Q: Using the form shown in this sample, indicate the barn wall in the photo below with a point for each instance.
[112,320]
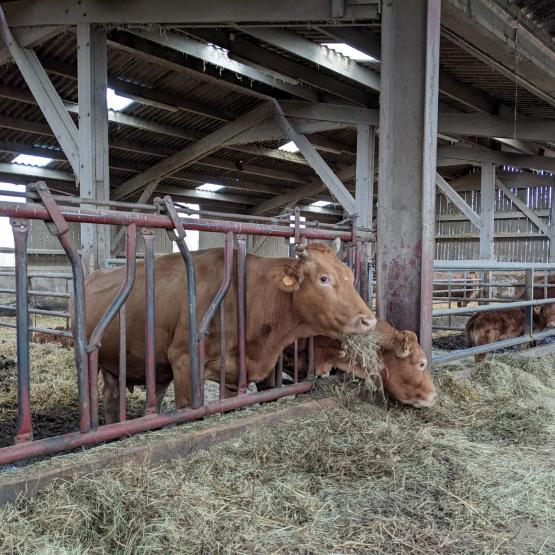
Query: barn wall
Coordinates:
[517,239]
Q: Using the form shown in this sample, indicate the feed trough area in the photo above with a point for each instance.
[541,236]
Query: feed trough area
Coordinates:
[277,277]
[472,474]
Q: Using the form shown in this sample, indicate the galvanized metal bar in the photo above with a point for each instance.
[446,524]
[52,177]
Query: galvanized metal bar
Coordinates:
[279,372]
[491,307]
[122,366]
[310,372]
[93,387]
[52,313]
[242,311]
[150,323]
[552,224]
[490,265]
[222,351]
[296,361]
[33,293]
[38,329]
[487,200]
[20,229]
[60,229]
[444,358]
[196,342]
[529,295]
[96,337]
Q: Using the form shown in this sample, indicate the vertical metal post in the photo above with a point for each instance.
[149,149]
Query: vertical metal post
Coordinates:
[364,198]
[122,370]
[150,327]
[487,201]
[20,230]
[529,295]
[407,164]
[552,227]
[94,177]
[242,311]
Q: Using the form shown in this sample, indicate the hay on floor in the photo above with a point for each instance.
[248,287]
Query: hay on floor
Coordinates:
[363,351]
[473,474]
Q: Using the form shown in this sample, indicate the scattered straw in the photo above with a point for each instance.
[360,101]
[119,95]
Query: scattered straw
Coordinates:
[363,351]
[474,474]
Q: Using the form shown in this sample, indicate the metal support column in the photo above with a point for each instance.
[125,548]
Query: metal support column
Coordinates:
[487,201]
[407,163]
[93,138]
[364,194]
[552,228]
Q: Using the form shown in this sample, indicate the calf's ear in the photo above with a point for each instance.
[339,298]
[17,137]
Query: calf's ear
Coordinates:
[336,245]
[403,344]
[286,278]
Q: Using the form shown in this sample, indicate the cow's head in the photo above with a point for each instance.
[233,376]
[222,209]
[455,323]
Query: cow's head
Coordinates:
[546,313]
[405,375]
[324,296]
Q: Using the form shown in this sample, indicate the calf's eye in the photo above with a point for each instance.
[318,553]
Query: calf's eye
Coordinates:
[324,279]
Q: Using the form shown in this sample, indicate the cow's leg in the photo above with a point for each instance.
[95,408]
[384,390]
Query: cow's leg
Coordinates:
[161,390]
[181,377]
[111,397]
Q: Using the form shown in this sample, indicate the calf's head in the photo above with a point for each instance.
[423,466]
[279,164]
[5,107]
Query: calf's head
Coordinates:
[323,293]
[546,314]
[405,376]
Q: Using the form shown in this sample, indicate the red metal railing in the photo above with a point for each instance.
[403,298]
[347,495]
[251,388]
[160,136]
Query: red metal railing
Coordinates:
[87,351]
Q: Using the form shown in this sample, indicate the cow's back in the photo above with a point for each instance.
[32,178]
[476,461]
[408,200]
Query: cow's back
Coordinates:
[171,306]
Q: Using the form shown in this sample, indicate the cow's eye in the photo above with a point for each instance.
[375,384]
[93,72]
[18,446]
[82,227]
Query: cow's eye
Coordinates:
[324,279]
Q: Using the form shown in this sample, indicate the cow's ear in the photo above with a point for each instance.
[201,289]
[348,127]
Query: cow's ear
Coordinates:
[286,278]
[402,344]
[336,245]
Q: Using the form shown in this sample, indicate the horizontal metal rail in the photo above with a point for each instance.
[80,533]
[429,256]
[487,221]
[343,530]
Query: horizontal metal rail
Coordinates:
[491,307]
[56,313]
[444,358]
[39,329]
[52,275]
[489,265]
[82,215]
[32,293]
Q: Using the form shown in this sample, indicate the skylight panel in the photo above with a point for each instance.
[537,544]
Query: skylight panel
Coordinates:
[116,102]
[210,187]
[289,147]
[349,51]
[32,160]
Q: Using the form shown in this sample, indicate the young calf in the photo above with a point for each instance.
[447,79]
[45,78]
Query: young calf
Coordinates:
[404,373]
[40,337]
[486,327]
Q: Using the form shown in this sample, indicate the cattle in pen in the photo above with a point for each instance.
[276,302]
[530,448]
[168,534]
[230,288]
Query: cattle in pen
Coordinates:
[404,367]
[462,287]
[487,327]
[286,299]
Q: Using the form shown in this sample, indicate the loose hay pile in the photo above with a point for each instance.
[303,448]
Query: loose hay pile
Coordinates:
[474,474]
[363,351]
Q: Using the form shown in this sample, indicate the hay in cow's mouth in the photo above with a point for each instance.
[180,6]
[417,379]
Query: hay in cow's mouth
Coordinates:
[473,474]
[362,350]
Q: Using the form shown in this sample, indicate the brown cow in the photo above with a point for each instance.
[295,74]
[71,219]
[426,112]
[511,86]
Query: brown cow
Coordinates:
[286,299]
[460,286]
[40,337]
[539,289]
[486,327]
[404,374]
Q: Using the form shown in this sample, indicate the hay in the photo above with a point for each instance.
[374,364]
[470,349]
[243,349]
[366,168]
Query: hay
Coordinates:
[474,474]
[363,351]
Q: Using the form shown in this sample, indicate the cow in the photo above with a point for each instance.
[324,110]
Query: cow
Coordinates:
[460,286]
[41,337]
[404,372]
[540,292]
[286,299]
[486,327]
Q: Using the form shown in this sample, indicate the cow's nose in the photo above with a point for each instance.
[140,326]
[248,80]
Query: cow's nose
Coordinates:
[367,323]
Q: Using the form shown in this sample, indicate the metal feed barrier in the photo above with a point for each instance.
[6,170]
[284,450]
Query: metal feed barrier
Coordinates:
[530,269]
[163,215]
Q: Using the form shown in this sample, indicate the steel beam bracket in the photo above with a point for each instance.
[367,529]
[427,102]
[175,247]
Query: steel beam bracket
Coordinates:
[166,205]
[58,226]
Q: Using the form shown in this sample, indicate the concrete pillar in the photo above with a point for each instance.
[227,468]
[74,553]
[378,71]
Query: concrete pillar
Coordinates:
[487,201]
[94,177]
[407,163]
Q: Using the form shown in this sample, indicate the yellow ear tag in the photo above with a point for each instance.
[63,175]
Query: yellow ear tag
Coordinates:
[287,281]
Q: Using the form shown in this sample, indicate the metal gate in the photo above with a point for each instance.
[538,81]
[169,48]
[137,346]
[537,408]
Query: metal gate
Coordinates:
[163,215]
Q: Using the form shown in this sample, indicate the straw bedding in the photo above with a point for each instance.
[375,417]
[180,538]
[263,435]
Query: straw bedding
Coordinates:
[474,474]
